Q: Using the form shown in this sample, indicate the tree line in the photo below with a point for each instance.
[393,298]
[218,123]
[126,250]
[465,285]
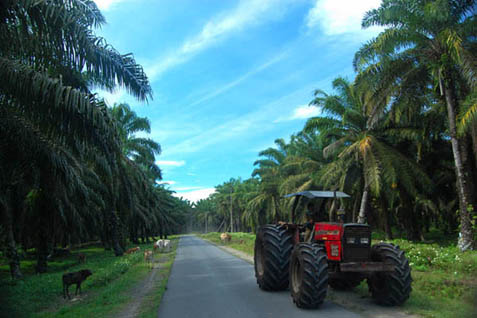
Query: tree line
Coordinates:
[401,137]
[71,168]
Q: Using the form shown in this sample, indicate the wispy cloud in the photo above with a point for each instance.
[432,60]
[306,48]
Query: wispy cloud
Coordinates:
[166,182]
[300,112]
[239,80]
[170,163]
[195,195]
[187,188]
[336,17]
[244,15]
[240,126]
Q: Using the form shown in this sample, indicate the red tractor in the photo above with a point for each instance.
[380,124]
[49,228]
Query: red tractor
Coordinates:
[309,257]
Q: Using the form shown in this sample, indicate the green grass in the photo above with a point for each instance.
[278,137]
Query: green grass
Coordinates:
[444,279]
[240,241]
[104,293]
[150,304]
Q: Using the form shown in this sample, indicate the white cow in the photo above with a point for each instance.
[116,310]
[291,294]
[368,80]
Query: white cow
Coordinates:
[167,246]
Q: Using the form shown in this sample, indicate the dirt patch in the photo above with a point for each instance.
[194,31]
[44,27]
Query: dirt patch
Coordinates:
[361,305]
[140,290]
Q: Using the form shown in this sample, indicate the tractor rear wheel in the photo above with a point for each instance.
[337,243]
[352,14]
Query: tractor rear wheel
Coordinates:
[273,247]
[308,275]
[390,288]
[345,281]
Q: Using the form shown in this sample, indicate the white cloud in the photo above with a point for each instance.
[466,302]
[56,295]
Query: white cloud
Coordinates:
[247,13]
[187,188]
[300,112]
[170,163]
[340,16]
[106,4]
[116,96]
[166,182]
[305,111]
[195,195]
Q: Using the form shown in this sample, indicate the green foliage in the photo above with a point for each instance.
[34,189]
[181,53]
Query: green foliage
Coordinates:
[240,241]
[432,256]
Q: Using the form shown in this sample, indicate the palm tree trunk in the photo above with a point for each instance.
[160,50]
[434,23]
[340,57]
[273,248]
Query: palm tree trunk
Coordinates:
[114,228]
[473,133]
[385,218]
[12,254]
[355,209]
[466,240]
[364,204]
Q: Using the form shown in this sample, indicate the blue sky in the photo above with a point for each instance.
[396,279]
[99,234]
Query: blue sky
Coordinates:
[230,77]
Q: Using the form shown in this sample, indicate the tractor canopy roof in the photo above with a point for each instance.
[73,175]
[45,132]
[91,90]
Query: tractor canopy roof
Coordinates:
[319,194]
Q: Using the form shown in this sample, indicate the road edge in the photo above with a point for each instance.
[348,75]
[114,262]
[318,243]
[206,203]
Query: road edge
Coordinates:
[242,255]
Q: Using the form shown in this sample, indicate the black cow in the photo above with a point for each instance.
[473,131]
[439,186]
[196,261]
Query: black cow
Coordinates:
[74,278]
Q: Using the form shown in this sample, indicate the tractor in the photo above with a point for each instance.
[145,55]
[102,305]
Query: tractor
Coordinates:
[306,258]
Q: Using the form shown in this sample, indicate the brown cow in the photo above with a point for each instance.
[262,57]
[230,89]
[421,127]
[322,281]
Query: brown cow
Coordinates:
[225,237]
[132,250]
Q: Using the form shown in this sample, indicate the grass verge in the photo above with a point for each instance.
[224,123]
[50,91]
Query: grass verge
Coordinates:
[152,300]
[103,293]
[445,279]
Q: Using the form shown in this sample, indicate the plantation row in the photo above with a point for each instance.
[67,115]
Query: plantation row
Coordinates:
[71,168]
[400,138]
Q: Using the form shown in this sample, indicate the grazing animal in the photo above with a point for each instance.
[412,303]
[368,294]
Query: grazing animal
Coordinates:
[81,258]
[148,255]
[225,237]
[74,278]
[158,245]
[132,250]
[167,246]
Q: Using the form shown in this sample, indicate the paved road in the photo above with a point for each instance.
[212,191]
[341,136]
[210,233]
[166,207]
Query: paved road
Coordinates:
[208,282]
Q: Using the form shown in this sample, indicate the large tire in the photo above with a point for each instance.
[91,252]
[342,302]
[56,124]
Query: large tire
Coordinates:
[345,281]
[273,247]
[308,275]
[390,288]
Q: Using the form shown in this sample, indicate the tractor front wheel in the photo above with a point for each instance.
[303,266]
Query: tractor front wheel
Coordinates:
[273,247]
[308,275]
[390,288]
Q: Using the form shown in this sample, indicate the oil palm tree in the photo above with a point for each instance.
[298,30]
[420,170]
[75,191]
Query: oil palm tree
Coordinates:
[49,59]
[358,143]
[439,37]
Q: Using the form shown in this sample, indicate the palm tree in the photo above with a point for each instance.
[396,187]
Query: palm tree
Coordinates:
[270,173]
[358,141]
[438,36]
[49,58]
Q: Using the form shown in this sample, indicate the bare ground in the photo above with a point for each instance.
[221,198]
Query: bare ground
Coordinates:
[140,290]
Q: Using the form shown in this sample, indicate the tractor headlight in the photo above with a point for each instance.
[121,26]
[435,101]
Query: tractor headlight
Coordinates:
[350,240]
[364,240]
[335,250]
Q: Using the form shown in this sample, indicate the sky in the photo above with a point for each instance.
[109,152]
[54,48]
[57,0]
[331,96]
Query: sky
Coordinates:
[230,76]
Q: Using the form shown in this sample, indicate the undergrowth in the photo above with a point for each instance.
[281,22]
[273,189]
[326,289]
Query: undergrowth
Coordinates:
[103,293]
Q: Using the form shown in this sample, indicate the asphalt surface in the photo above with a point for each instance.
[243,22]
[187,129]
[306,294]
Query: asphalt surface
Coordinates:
[208,282]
